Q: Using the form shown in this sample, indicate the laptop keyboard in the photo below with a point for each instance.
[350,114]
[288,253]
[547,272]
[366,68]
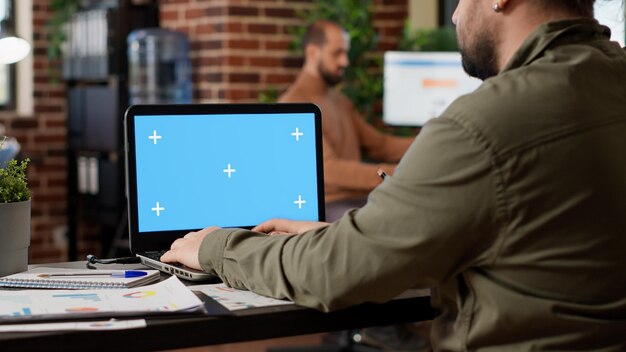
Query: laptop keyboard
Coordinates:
[156,255]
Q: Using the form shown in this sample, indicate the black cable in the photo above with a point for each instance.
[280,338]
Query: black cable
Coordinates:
[92,259]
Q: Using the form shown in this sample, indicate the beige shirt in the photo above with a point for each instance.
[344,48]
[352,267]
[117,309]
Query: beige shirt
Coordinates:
[345,134]
[512,205]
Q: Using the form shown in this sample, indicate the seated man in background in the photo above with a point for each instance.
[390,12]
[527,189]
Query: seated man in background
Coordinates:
[347,179]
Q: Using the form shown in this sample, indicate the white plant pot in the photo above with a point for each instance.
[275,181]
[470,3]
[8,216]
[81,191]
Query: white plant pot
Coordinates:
[14,237]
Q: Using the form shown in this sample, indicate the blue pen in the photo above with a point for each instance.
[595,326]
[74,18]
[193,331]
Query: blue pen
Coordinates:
[122,274]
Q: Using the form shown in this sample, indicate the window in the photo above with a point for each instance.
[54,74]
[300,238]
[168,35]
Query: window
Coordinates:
[7,72]
[446,9]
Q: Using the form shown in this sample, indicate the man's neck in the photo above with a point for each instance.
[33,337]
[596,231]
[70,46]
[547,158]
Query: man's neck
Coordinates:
[523,19]
[313,83]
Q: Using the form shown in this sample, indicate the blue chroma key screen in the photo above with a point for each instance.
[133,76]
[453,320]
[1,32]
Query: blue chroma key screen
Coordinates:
[227,170]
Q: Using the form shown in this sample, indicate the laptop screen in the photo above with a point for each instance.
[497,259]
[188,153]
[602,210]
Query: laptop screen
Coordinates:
[227,166]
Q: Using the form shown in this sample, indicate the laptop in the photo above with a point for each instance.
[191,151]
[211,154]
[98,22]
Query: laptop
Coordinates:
[227,165]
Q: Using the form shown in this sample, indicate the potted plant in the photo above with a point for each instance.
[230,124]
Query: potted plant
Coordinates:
[14,215]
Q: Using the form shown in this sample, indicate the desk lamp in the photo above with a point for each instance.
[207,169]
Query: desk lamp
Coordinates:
[12,47]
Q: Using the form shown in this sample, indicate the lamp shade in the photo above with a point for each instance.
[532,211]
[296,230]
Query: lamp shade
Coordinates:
[12,49]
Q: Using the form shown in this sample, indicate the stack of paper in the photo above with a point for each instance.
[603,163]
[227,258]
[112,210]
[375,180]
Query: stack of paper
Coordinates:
[234,299]
[60,278]
[167,296]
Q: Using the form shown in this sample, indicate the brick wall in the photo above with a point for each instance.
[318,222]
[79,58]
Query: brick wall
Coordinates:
[43,140]
[240,47]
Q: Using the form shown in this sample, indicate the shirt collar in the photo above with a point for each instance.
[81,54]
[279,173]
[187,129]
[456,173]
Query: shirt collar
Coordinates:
[552,34]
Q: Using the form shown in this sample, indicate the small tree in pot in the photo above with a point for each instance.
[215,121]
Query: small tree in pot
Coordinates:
[14,216]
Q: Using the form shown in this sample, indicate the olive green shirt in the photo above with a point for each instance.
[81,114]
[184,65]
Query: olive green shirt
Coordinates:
[512,205]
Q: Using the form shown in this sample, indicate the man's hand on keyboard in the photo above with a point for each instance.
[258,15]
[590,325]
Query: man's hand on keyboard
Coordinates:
[185,250]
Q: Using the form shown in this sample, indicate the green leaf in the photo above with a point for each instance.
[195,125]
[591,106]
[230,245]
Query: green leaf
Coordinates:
[13,182]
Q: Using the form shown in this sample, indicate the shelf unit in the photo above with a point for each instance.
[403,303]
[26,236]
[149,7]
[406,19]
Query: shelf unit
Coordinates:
[95,70]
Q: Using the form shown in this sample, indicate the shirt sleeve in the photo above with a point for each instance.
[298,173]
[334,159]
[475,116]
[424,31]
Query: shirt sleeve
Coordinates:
[435,217]
[377,145]
[351,174]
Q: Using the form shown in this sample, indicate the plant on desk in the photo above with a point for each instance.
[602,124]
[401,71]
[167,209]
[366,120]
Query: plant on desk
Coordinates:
[14,216]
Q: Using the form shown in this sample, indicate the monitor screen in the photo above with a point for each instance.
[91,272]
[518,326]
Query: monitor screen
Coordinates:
[228,170]
[418,86]
[611,14]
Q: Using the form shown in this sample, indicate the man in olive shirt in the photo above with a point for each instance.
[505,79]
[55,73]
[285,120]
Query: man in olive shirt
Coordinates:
[347,179]
[511,205]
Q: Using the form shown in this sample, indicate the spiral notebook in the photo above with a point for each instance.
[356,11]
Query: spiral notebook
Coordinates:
[80,279]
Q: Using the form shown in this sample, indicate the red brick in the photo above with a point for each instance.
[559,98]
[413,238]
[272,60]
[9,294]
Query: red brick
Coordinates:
[57,94]
[396,31]
[49,198]
[58,182]
[47,108]
[213,77]
[58,211]
[242,11]
[205,29]
[49,168]
[234,60]
[194,13]
[234,27]
[56,152]
[238,95]
[32,184]
[45,227]
[213,11]
[277,44]
[207,61]
[243,78]
[243,44]
[43,255]
[39,22]
[203,94]
[50,123]
[274,78]
[169,15]
[292,62]
[281,12]
[395,15]
[207,44]
[50,138]
[262,28]
[25,123]
[265,61]
[229,27]
[385,46]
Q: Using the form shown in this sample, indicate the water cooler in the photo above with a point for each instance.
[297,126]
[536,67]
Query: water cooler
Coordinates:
[159,67]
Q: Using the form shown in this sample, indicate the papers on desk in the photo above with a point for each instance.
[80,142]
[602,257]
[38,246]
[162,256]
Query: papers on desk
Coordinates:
[167,296]
[234,299]
[62,278]
[85,326]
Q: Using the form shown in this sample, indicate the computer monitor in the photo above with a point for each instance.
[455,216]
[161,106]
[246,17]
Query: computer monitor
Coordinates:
[611,14]
[418,86]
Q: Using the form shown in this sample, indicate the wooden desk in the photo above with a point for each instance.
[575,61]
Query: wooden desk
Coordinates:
[252,324]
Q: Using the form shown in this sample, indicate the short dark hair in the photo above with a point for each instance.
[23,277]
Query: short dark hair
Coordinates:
[316,33]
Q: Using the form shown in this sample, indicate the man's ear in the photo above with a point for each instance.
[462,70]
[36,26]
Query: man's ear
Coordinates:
[310,53]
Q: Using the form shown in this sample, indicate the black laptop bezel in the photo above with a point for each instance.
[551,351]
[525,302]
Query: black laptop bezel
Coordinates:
[159,240]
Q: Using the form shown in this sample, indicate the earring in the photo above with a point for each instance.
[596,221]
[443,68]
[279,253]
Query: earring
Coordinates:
[496,7]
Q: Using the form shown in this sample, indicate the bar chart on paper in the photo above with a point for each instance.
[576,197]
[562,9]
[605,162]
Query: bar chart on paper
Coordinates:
[169,295]
[15,306]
